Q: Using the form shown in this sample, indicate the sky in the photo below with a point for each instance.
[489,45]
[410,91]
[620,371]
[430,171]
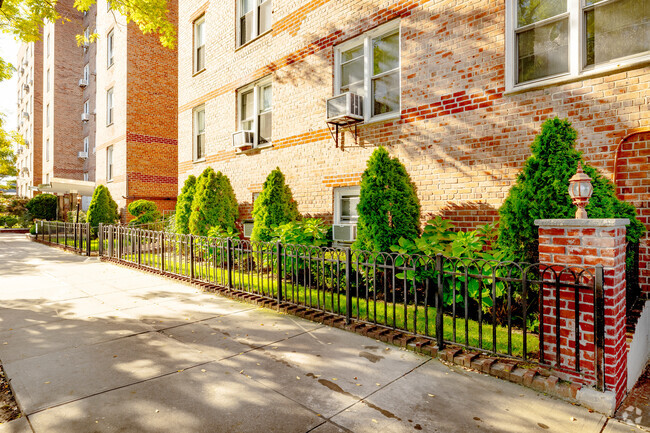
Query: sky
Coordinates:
[9,52]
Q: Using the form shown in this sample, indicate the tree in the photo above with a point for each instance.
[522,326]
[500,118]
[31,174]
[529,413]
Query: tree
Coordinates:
[389,208]
[144,211]
[43,206]
[274,206]
[541,191]
[103,208]
[25,19]
[184,205]
[8,143]
[214,204]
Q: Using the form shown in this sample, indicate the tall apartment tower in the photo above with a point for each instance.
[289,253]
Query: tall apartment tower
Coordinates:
[62,98]
[88,85]
[136,113]
[30,117]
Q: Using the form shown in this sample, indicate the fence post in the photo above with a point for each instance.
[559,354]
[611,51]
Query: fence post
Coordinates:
[439,304]
[65,234]
[100,238]
[119,243]
[162,251]
[348,285]
[111,242]
[88,239]
[56,224]
[191,257]
[278,251]
[599,326]
[229,261]
[138,238]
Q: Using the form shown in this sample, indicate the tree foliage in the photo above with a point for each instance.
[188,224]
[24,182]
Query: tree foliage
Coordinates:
[144,211]
[26,18]
[541,191]
[214,203]
[103,208]
[9,141]
[389,208]
[184,205]
[43,206]
[274,206]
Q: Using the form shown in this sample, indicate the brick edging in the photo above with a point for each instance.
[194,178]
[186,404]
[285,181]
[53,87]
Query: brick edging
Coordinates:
[519,372]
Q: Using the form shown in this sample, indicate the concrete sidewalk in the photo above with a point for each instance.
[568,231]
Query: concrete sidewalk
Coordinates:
[94,347]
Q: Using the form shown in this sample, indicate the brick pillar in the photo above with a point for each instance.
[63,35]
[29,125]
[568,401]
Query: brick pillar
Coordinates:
[580,244]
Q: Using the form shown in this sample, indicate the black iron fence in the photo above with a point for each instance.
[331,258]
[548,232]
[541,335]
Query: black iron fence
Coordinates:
[529,312]
[78,237]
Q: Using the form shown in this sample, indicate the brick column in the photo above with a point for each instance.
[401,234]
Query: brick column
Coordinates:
[584,244]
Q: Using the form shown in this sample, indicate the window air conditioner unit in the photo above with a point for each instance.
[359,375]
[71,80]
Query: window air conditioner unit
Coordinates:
[83,82]
[242,139]
[345,109]
[26,87]
[25,114]
[85,117]
[248,229]
[344,232]
[83,155]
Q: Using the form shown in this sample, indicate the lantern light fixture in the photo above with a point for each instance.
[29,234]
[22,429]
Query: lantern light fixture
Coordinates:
[580,190]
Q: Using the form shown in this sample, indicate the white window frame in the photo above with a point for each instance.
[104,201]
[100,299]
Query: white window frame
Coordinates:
[110,45]
[195,52]
[256,86]
[109,164]
[339,192]
[577,49]
[85,176]
[195,133]
[87,106]
[366,40]
[87,72]
[109,106]
[47,150]
[47,115]
[48,44]
[86,144]
[256,21]
[49,84]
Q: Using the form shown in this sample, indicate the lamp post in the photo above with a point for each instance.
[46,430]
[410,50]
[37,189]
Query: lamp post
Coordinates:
[580,190]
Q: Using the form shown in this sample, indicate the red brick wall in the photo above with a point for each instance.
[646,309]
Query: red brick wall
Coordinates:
[632,179]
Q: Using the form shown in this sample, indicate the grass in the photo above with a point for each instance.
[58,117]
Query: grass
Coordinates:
[420,320]
[94,243]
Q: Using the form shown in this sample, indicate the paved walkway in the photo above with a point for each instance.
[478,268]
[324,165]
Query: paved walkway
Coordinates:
[94,347]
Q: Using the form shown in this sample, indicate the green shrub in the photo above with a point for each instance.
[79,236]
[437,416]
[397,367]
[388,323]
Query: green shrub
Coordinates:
[274,206]
[72,216]
[541,192]
[214,203]
[144,211]
[32,229]
[43,206]
[103,208]
[10,221]
[388,208]
[184,205]
[310,231]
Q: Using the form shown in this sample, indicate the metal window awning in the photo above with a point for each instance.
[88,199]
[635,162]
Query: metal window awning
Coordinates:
[67,186]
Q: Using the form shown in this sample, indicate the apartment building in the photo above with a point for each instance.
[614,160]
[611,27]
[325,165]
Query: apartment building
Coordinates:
[136,93]
[87,84]
[30,117]
[456,89]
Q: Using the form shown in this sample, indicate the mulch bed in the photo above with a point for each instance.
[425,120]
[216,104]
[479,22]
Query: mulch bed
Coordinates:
[8,407]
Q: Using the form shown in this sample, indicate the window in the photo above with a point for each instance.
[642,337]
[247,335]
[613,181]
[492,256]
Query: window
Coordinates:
[254,19]
[346,200]
[47,178]
[48,80]
[256,111]
[109,49]
[86,141]
[87,107]
[47,115]
[47,150]
[109,163]
[370,67]
[86,36]
[199,133]
[199,44]
[556,39]
[109,107]
[87,73]
[48,45]
[86,176]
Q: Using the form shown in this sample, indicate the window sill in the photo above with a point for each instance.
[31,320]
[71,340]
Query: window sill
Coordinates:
[110,66]
[383,118]
[109,180]
[602,70]
[255,149]
[254,39]
[198,72]
[196,161]
[109,124]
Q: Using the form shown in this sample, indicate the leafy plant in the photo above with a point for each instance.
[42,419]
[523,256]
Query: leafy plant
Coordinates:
[274,206]
[310,231]
[144,211]
[388,208]
[541,191]
[214,203]
[103,208]
[43,206]
[72,216]
[184,205]
[220,232]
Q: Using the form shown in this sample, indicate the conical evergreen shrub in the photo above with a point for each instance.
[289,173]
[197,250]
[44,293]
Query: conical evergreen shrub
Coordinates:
[274,206]
[541,191]
[103,208]
[214,204]
[389,207]
[144,211]
[184,205]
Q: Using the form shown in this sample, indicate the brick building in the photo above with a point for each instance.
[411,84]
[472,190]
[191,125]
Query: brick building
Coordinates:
[30,117]
[136,112]
[457,90]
